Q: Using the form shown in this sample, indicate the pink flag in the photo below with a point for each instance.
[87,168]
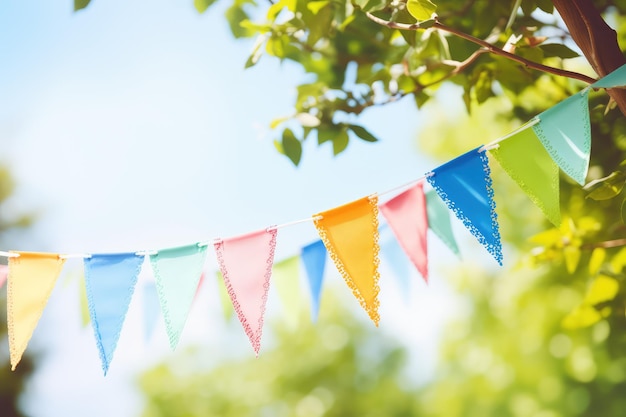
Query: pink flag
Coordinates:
[246,265]
[4,272]
[407,216]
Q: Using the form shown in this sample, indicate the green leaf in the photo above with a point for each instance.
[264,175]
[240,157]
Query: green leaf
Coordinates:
[607,187]
[581,316]
[602,289]
[80,4]
[559,50]
[235,15]
[421,9]
[201,5]
[257,52]
[362,133]
[292,147]
[623,211]
[316,6]
[572,257]
[483,86]
[340,142]
[370,5]
[597,259]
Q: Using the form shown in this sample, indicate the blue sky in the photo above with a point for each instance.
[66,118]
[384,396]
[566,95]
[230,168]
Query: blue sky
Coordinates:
[132,125]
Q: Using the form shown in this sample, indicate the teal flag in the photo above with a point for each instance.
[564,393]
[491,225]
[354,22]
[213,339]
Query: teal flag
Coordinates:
[565,132]
[177,273]
[439,221]
[616,78]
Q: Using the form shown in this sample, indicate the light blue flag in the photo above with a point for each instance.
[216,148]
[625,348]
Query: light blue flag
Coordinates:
[110,282]
[464,184]
[439,221]
[177,273]
[150,309]
[314,259]
[397,259]
[617,78]
[565,132]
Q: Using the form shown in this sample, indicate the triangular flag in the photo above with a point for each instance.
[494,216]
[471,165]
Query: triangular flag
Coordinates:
[31,279]
[565,132]
[439,221]
[407,218]
[84,304]
[314,260]
[286,280]
[464,184]
[177,273]
[397,260]
[350,233]
[617,78]
[150,309]
[246,265]
[227,305]
[4,273]
[528,163]
[110,280]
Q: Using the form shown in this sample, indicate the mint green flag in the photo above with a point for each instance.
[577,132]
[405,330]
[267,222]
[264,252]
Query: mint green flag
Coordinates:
[286,280]
[565,132]
[177,273]
[617,78]
[526,161]
[439,220]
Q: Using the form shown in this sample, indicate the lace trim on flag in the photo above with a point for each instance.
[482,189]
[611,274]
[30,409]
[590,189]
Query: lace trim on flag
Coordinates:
[254,336]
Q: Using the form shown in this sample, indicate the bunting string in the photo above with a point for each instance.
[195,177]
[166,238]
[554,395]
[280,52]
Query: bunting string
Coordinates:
[557,138]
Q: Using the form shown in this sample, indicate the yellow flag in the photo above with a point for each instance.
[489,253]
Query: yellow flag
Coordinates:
[350,234]
[31,279]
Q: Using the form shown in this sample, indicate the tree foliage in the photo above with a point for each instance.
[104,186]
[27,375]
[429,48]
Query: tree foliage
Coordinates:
[339,368]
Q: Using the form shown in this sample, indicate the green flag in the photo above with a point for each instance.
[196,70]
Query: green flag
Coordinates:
[527,162]
[286,280]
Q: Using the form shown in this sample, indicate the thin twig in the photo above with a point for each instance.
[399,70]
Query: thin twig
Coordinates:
[606,244]
[491,48]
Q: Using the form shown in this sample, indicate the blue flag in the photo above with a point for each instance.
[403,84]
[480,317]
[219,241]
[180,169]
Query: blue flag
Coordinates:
[314,258]
[464,184]
[110,282]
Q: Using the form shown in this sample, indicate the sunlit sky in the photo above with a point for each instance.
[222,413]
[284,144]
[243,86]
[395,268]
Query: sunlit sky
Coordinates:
[132,125]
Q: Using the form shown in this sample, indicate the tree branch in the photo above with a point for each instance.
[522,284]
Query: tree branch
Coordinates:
[489,47]
[595,38]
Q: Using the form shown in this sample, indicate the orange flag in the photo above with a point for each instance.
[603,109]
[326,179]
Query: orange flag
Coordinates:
[350,234]
[31,279]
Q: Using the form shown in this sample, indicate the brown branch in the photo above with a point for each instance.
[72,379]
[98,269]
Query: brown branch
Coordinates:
[606,244]
[596,40]
[488,46]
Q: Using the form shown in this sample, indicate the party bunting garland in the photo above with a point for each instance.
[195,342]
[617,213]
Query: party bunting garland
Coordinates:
[560,138]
